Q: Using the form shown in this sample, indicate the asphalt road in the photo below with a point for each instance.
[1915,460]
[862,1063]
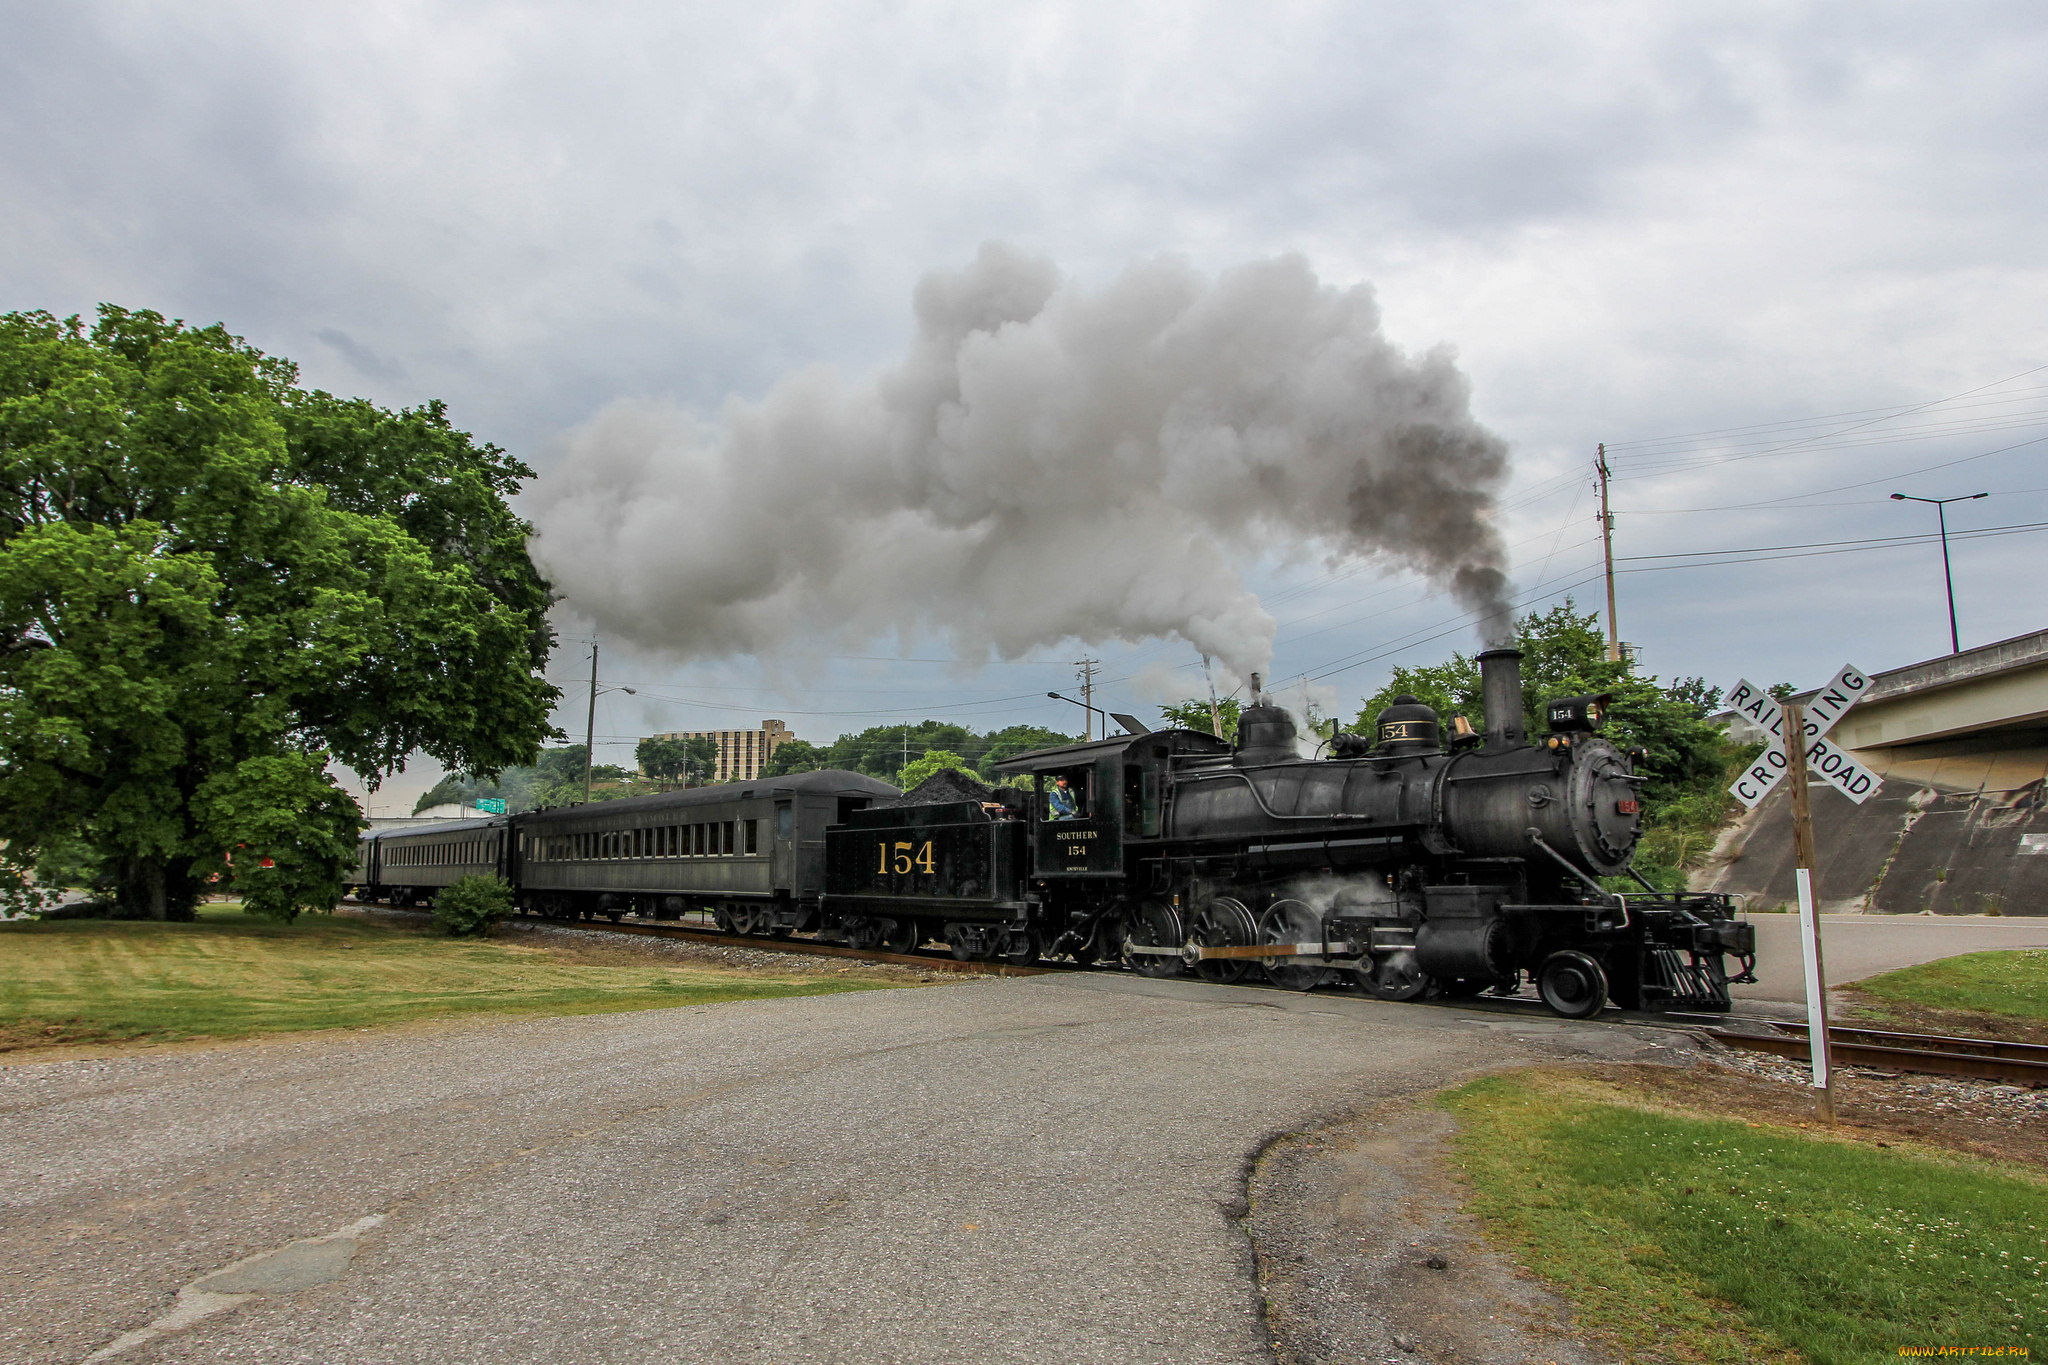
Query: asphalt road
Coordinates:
[1040,1170]
[1856,946]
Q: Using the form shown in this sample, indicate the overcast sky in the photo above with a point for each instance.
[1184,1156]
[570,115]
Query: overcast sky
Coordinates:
[1632,223]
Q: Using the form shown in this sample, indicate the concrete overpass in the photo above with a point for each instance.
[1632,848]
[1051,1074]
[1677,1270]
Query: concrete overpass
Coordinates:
[1958,828]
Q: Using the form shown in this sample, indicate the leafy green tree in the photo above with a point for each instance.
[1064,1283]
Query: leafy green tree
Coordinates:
[1193,714]
[664,759]
[935,761]
[794,756]
[212,582]
[472,905]
[880,750]
[1018,739]
[520,788]
[700,761]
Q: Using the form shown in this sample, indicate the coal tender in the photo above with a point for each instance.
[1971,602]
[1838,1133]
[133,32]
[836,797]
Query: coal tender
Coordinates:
[1398,865]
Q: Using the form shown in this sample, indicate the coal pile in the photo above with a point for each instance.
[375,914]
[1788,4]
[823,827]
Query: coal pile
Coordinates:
[947,784]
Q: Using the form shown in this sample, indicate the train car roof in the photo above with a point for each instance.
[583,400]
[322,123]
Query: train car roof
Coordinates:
[1068,755]
[831,781]
[438,827]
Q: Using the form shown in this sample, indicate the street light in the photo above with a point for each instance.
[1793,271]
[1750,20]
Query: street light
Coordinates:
[1085,707]
[590,720]
[1955,644]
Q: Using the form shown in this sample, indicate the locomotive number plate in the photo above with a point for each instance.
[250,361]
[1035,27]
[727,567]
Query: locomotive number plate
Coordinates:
[903,860]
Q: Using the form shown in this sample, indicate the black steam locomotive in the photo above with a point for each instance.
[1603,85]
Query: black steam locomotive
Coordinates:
[1398,866]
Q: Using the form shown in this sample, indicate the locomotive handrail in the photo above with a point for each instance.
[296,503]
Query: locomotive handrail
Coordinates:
[1267,810]
[1536,838]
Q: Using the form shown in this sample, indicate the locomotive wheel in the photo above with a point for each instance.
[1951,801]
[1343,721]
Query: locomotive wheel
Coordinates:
[1292,921]
[1572,984]
[1021,948]
[901,936]
[741,918]
[1223,923]
[1396,977]
[1152,924]
[862,933]
[958,940]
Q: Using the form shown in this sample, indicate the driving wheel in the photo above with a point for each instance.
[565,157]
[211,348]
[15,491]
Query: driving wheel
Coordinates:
[1223,923]
[1292,921]
[1152,924]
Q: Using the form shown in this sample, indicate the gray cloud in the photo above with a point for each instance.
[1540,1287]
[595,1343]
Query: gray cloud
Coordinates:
[1048,463]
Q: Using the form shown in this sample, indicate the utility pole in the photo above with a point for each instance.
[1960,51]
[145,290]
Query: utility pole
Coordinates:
[1087,667]
[590,724]
[1809,914]
[1955,641]
[1607,545]
[1215,712]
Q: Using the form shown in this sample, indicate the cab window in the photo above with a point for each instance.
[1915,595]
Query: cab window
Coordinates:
[1064,794]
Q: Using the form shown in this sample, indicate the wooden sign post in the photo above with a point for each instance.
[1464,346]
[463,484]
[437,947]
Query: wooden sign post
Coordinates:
[1809,915]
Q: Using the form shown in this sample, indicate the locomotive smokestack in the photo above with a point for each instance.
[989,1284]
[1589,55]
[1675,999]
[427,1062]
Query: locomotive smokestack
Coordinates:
[1500,681]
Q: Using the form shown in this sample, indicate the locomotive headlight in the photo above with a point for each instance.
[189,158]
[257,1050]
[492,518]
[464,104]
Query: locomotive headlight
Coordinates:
[1577,715]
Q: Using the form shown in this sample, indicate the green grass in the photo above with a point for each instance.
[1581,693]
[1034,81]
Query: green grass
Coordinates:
[1683,1237]
[227,975]
[2013,983]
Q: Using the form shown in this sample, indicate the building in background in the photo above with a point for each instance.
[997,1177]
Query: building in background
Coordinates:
[741,753]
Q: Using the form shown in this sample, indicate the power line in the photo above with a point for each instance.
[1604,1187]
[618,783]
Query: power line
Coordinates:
[1917,538]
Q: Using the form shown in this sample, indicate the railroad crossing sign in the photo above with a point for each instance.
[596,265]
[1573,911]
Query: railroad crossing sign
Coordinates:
[1823,757]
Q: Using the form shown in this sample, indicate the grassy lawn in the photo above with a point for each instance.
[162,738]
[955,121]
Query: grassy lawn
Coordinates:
[2014,983]
[225,975]
[1692,1238]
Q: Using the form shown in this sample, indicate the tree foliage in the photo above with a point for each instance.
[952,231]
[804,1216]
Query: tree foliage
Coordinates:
[883,750]
[213,581]
[934,761]
[665,760]
[1193,714]
[794,756]
[700,761]
[472,905]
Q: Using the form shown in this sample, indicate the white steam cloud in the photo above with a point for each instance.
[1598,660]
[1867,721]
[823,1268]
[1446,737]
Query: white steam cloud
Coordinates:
[1048,463]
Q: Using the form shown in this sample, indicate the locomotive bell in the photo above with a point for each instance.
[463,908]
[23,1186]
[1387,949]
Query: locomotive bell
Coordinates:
[1408,726]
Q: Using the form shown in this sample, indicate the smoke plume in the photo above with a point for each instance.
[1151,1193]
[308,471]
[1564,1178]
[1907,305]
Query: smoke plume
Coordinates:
[1049,462]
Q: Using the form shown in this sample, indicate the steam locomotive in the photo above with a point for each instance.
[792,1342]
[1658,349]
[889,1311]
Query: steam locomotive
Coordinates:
[1401,864]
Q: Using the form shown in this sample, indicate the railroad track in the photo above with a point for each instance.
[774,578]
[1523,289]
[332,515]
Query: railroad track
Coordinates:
[805,946]
[1933,1054]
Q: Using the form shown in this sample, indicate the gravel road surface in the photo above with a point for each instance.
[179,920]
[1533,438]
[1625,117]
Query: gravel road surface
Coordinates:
[1041,1170]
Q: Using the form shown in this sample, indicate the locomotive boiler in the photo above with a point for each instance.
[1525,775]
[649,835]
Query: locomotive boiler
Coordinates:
[1399,864]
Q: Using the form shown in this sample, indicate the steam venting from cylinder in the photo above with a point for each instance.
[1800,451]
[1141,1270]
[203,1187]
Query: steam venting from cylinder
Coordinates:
[1047,462]
[1500,682]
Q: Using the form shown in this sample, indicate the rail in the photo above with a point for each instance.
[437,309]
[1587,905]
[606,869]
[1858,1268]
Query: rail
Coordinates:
[1989,1059]
[768,943]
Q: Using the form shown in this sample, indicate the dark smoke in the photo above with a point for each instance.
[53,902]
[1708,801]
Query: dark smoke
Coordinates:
[1049,462]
